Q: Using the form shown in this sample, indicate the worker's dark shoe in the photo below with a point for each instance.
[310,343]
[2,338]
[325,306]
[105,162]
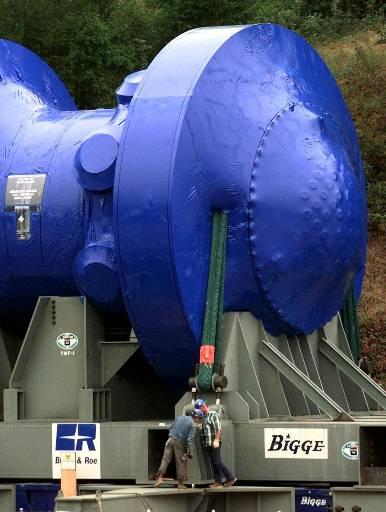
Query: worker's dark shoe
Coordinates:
[181,486]
[229,483]
[215,485]
[158,482]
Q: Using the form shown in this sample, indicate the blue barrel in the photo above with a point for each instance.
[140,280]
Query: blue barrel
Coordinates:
[117,204]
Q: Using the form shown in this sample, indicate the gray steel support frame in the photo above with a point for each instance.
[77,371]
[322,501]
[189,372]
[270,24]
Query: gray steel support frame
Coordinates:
[294,377]
[302,382]
[350,369]
[127,453]
[48,382]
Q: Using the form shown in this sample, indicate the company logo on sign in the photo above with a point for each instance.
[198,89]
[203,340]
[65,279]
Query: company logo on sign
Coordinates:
[81,439]
[296,443]
[67,342]
[72,436]
[313,502]
[350,450]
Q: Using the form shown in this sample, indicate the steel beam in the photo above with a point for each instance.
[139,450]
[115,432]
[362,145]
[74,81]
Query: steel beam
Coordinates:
[134,500]
[349,368]
[302,382]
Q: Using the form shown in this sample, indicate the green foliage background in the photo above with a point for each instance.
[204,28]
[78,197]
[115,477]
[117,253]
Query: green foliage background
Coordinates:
[94,44]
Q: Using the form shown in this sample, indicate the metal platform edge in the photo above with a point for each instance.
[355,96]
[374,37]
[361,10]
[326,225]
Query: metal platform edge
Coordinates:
[136,499]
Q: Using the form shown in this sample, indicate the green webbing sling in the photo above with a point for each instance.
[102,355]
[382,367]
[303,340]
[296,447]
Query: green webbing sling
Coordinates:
[350,323]
[209,352]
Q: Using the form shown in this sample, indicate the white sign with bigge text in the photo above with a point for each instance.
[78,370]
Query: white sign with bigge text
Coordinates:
[296,443]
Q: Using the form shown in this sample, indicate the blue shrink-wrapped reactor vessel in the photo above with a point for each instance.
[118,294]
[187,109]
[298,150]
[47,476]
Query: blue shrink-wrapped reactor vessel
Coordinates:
[117,204]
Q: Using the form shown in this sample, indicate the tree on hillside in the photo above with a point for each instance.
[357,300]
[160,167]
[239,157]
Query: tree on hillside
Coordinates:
[92,45]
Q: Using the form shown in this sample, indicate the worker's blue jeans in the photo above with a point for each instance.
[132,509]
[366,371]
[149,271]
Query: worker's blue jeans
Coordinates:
[220,471]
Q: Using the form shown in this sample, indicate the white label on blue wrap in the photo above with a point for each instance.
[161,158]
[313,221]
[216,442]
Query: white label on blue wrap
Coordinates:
[24,190]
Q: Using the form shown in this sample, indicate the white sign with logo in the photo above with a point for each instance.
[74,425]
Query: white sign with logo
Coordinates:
[296,443]
[67,342]
[81,439]
[350,450]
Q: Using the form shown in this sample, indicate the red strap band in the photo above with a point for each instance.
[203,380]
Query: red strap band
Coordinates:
[207,354]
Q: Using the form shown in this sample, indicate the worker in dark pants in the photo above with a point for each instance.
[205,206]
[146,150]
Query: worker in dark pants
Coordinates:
[180,443]
[211,438]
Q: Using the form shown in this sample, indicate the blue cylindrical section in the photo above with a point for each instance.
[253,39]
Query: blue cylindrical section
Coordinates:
[118,204]
[69,157]
[252,123]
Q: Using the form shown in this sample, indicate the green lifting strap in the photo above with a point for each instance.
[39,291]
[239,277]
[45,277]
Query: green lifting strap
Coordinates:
[209,353]
[350,323]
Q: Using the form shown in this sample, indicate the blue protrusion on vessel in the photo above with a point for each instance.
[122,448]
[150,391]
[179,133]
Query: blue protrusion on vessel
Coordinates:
[96,162]
[96,276]
[126,90]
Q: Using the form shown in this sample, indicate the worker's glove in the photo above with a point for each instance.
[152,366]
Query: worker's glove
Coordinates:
[216,443]
[189,455]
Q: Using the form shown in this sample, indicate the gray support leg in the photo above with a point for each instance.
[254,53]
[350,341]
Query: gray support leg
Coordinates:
[5,370]
[64,352]
[14,409]
[7,498]
[94,405]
